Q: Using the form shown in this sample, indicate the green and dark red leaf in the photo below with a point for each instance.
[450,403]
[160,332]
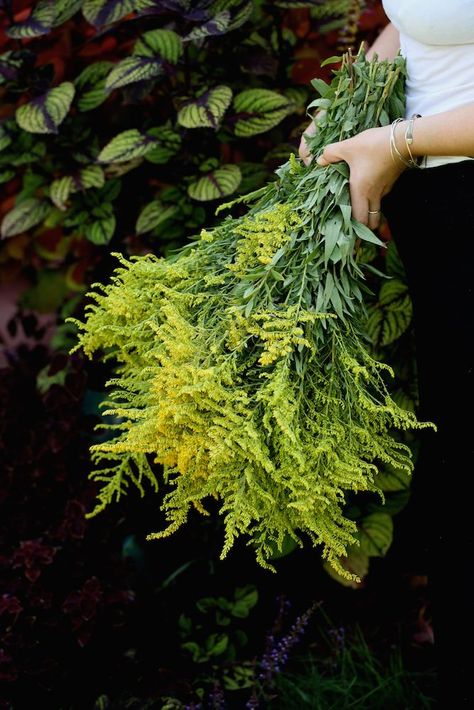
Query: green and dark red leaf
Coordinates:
[45,113]
[216,184]
[207,110]
[160,43]
[105,12]
[132,69]
[39,22]
[23,216]
[126,146]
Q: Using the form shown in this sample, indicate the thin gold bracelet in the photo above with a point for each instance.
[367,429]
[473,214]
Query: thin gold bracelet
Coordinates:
[393,145]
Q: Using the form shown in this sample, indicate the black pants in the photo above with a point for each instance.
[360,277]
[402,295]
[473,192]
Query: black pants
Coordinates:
[431,216]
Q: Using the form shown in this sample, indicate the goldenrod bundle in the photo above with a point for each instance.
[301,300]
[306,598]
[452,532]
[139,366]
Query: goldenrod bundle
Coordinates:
[241,362]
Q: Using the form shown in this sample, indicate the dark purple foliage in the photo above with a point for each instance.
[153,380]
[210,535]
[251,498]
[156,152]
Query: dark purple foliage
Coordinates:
[62,587]
[217,698]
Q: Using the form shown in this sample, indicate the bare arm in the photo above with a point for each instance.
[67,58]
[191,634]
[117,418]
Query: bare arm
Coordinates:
[446,133]
[372,170]
[387,44]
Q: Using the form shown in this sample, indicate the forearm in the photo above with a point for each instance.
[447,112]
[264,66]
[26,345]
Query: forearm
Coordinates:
[447,133]
[387,44]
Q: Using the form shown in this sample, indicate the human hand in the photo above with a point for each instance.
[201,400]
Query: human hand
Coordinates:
[303,150]
[372,170]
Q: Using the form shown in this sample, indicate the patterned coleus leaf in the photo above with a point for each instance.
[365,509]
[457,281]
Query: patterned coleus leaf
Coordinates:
[60,190]
[392,315]
[63,187]
[105,12]
[375,534]
[127,145]
[131,69]
[259,110]
[168,144]
[150,54]
[65,9]
[216,184]
[207,110]
[102,226]
[217,25]
[229,16]
[91,85]
[164,44]
[45,113]
[23,216]
[144,5]
[153,214]
[39,22]
[162,5]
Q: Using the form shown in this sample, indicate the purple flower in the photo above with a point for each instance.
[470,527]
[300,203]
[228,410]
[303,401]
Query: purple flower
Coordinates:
[278,647]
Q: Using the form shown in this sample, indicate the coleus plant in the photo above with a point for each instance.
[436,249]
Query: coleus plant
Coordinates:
[126,121]
[63,206]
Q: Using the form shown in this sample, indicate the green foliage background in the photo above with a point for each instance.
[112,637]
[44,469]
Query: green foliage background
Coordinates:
[124,124]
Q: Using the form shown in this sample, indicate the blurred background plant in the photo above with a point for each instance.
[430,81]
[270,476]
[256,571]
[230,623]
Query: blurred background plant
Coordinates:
[123,125]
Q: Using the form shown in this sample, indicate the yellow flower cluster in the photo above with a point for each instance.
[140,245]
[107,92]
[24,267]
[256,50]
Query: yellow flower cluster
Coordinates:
[206,235]
[280,332]
[276,332]
[225,379]
[262,235]
[278,457]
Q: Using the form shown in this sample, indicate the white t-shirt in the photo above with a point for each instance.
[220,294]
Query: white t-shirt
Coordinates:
[437,40]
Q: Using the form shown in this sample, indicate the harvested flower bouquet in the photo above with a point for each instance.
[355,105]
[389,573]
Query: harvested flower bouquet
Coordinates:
[242,362]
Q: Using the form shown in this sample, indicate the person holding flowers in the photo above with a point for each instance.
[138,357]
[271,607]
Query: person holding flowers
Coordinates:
[419,173]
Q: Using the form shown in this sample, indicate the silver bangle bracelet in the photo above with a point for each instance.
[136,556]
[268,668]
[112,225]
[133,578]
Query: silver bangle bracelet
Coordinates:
[409,137]
[411,163]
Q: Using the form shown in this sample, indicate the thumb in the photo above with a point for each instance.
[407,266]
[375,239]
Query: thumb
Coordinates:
[328,156]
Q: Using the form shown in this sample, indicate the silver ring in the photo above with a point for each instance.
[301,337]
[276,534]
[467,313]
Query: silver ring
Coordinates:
[374,211]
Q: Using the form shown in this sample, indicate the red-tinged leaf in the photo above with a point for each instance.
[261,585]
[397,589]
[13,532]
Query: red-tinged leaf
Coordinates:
[38,23]
[98,49]
[75,276]
[48,242]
